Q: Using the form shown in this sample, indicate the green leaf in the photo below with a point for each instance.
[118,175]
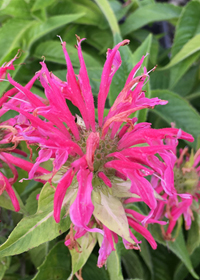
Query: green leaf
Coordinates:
[187,82]
[4,4]
[193,240]
[92,13]
[52,51]
[17,9]
[15,28]
[91,271]
[27,33]
[177,71]
[178,110]
[109,14]
[4,265]
[148,14]
[87,243]
[132,264]
[186,26]
[57,264]
[164,263]
[111,213]
[146,255]
[178,247]
[41,4]
[39,29]
[36,229]
[6,202]
[32,203]
[114,266]
[38,254]
[191,47]
[181,271]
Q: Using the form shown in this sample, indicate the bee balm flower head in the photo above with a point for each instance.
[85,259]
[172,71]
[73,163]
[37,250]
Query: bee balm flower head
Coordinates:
[99,168]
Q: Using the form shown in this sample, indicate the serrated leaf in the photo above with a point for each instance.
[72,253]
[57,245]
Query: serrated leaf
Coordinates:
[178,110]
[57,264]
[52,51]
[148,14]
[109,14]
[186,26]
[36,229]
[87,243]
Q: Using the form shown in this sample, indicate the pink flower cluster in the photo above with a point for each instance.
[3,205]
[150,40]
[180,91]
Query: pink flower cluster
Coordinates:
[99,169]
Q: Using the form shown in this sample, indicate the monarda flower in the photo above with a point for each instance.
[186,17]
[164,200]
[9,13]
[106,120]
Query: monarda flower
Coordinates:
[187,186]
[99,168]
[9,140]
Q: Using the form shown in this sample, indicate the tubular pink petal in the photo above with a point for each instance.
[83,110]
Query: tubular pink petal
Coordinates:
[105,179]
[32,97]
[134,70]
[106,248]
[84,84]
[73,85]
[59,101]
[10,192]
[92,143]
[143,231]
[106,78]
[82,208]
[44,155]
[60,192]
[23,164]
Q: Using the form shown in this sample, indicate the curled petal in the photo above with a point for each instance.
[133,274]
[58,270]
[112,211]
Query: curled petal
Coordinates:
[5,185]
[61,189]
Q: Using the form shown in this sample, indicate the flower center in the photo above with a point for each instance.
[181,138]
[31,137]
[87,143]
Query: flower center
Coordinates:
[185,181]
[106,146]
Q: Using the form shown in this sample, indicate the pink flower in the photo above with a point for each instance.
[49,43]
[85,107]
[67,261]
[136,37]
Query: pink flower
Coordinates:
[99,168]
[187,185]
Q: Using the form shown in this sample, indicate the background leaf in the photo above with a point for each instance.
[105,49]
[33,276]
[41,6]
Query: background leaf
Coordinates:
[179,111]
[147,14]
[57,264]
